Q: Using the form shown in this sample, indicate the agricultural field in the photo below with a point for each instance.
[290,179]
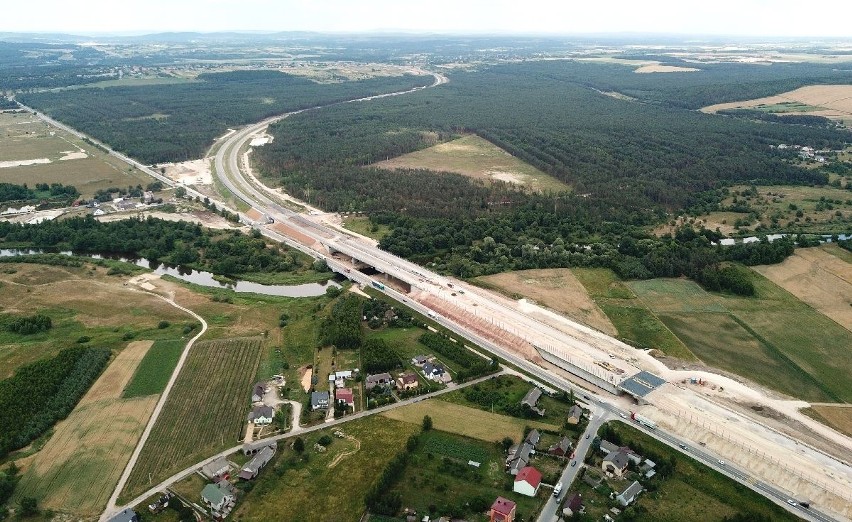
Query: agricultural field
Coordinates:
[823,210]
[79,466]
[557,289]
[32,150]
[693,492]
[439,475]
[773,338]
[205,411]
[81,302]
[340,482]
[479,159]
[469,422]
[837,416]
[818,278]
[156,368]
[634,322]
[831,101]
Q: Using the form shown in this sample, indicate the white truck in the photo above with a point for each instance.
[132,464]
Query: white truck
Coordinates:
[557,489]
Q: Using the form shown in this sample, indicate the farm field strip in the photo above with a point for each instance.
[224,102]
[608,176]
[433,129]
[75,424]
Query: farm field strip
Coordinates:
[204,412]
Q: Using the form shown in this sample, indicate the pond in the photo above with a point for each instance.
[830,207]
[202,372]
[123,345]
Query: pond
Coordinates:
[199,277]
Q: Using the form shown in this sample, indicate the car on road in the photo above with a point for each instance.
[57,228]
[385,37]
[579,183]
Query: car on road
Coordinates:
[792,502]
[623,416]
[586,397]
[588,435]
[683,447]
[573,463]
[721,462]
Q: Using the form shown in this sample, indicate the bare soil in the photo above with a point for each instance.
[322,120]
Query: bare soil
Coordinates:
[115,378]
[664,69]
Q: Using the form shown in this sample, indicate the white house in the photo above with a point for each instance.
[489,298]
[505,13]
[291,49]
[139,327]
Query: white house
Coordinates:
[527,481]
[261,415]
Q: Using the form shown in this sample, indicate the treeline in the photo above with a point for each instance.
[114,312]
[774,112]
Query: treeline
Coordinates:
[44,392]
[25,325]
[379,498]
[342,328]
[790,118]
[13,192]
[172,242]
[128,118]
[377,356]
[472,365]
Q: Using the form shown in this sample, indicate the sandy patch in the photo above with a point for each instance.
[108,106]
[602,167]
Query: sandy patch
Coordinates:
[657,68]
[73,156]
[557,289]
[260,140]
[195,172]
[508,177]
[306,374]
[817,278]
[23,163]
[112,382]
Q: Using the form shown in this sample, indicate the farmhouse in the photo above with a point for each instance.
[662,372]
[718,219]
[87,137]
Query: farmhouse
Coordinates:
[218,468]
[407,381]
[128,515]
[251,448]
[379,379]
[258,391]
[319,400]
[527,481]
[531,399]
[436,372]
[573,504]
[629,494]
[219,497]
[615,463]
[561,448]
[502,510]
[519,454]
[261,415]
[575,414]
[344,396]
[257,463]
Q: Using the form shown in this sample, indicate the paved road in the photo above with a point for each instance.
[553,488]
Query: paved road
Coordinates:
[300,430]
[111,508]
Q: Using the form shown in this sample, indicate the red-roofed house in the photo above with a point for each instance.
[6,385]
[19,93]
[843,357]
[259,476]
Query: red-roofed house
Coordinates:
[345,396]
[527,481]
[502,510]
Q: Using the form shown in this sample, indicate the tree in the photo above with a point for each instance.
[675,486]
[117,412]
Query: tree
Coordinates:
[29,506]
[427,423]
[299,445]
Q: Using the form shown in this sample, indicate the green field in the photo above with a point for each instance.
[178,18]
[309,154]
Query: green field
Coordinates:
[24,137]
[637,325]
[362,225]
[205,411]
[693,492]
[439,475]
[325,493]
[156,368]
[772,338]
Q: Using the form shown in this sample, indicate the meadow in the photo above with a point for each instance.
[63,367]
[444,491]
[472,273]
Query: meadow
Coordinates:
[205,411]
[156,368]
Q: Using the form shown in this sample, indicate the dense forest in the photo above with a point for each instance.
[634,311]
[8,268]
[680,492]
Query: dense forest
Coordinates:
[162,123]
[175,243]
[41,393]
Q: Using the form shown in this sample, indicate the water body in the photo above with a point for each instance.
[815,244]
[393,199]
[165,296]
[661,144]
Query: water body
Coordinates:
[200,277]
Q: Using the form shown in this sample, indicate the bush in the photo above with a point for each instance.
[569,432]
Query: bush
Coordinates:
[162,325]
[27,325]
[83,339]
[325,440]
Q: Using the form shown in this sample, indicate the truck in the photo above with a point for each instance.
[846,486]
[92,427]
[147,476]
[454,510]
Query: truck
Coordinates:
[378,285]
[557,489]
[644,421]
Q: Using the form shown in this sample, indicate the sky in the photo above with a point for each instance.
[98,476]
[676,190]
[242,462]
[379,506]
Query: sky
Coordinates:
[816,18]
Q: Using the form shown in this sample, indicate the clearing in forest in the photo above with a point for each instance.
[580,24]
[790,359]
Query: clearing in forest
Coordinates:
[557,289]
[818,278]
[205,411]
[830,101]
[476,158]
[659,68]
[470,422]
[78,468]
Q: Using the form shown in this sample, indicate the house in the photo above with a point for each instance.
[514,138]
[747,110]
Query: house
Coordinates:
[626,497]
[319,400]
[128,515]
[98,212]
[257,463]
[343,374]
[379,379]
[607,447]
[147,197]
[502,510]
[345,396]
[251,448]
[218,468]
[648,468]
[532,438]
[531,399]
[527,481]
[573,504]
[261,415]
[258,391]
[407,381]
[575,414]
[561,448]
[419,360]
[218,497]
[519,455]
[615,463]
[435,372]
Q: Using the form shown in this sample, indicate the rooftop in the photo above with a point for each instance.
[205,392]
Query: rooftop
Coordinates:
[641,384]
[530,475]
[503,506]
